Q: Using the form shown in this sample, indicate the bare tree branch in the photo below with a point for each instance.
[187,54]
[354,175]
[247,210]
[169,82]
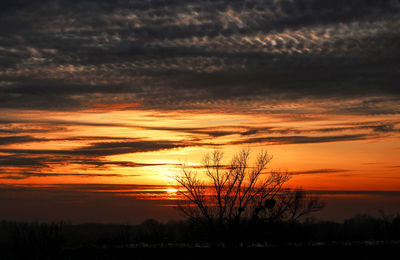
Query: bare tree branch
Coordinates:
[228,196]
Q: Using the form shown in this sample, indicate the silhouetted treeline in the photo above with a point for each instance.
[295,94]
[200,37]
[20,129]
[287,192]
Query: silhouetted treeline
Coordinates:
[41,239]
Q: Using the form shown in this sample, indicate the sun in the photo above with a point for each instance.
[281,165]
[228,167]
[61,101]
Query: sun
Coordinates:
[171,190]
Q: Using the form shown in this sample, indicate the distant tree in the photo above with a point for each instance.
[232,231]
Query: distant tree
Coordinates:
[234,195]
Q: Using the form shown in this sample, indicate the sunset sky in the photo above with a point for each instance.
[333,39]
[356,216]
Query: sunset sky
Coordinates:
[100,101]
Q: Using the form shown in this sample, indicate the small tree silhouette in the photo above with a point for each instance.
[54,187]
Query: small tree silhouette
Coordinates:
[230,197]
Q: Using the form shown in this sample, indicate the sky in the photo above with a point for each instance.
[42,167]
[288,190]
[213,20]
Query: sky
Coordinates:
[101,101]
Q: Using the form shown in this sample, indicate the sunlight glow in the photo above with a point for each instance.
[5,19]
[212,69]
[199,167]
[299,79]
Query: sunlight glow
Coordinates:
[171,190]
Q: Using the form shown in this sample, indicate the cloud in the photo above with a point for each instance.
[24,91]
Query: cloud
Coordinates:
[4,140]
[196,54]
[82,203]
[215,131]
[27,163]
[249,130]
[16,160]
[113,148]
[297,60]
[319,171]
[301,139]
[134,190]
[34,161]
[106,148]
[384,193]
[25,175]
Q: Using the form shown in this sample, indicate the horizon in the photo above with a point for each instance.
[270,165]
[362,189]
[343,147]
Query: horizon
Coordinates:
[100,103]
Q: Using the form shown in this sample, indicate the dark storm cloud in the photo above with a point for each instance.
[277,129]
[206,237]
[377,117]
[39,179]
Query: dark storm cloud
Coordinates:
[68,55]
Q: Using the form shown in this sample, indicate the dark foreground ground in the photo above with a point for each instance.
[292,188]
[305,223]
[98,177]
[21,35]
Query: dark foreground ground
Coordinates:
[282,252]
[361,237]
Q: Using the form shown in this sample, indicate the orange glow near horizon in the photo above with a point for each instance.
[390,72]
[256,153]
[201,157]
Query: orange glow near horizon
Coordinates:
[101,147]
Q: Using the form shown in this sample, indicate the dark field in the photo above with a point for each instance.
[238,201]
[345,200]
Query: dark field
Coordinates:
[361,237]
[280,252]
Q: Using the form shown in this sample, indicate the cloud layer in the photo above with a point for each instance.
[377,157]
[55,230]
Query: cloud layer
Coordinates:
[68,55]
[299,61]
[98,91]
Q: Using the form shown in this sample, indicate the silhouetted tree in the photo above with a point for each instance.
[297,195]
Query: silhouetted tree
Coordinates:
[230,197]
[293,205]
